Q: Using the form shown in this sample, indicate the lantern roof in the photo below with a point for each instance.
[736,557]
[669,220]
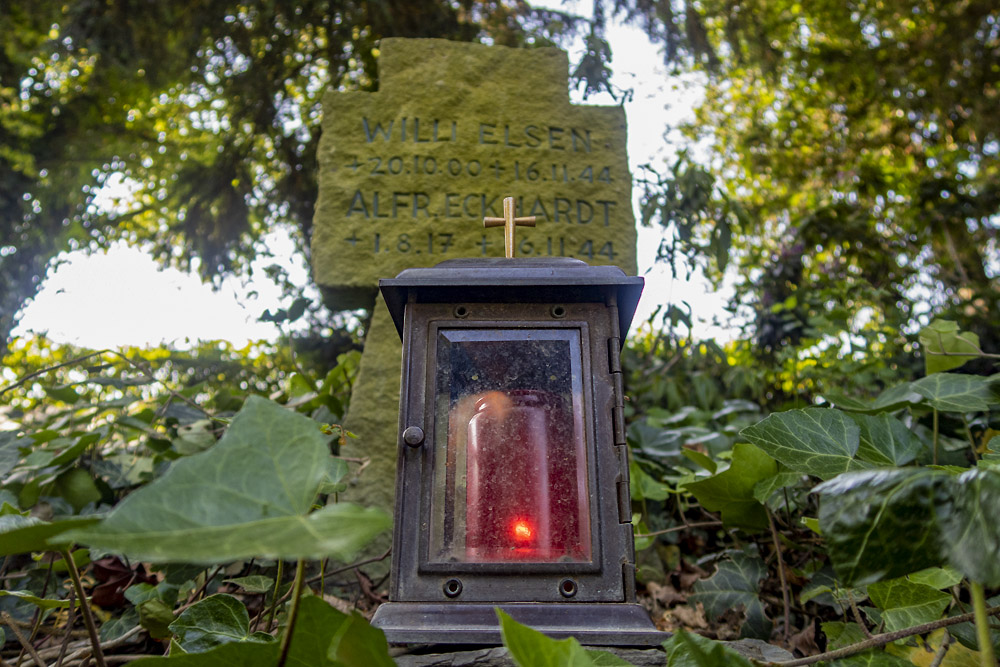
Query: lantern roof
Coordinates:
[512,280]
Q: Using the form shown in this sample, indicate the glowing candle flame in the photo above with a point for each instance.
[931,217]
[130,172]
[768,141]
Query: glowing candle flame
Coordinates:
[522,530]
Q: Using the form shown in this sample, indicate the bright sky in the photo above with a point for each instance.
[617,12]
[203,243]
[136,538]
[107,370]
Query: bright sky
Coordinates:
[121,297]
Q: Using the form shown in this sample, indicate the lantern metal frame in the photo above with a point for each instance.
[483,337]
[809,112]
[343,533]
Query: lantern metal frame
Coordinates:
[453,602]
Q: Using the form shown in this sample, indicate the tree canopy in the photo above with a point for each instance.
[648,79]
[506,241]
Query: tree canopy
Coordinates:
[201,117]
[843,164]
[852,162]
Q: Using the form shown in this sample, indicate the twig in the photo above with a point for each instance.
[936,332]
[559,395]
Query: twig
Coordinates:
[83,649]
[367,561]
[69,624]
[970,438]
[148,372]
[121,657]
[293,613]
[883,639]
[781,571]
[979,353]
[675,529]
[365,461]
[201,589]
[942,650]
[274,596]
[857,615]
[21,638]
[88,618]
[43,371]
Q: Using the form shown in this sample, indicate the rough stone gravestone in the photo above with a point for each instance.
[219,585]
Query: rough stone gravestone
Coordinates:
[408,173]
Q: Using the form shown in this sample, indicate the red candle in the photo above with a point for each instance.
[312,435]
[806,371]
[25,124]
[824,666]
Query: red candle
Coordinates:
[526,492]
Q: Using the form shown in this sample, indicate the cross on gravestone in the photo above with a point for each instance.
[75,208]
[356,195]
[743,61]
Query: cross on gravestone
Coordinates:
[407,172]
[509,222]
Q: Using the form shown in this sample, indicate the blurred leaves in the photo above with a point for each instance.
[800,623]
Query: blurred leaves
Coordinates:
[248,495]
[735,585]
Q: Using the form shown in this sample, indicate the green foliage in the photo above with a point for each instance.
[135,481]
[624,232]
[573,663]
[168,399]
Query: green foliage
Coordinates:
[946,347]
[816,441]
[732,491]
[216,620]
[206,115]
[255,488]
[531,648]
[904,604]
[893,529]
[945,518]
[689,650]
[850,198]
[108,451]
[735,585]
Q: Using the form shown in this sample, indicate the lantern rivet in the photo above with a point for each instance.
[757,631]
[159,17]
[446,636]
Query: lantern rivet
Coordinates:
[413,436]
[558,312]
[452,588]
[567,588]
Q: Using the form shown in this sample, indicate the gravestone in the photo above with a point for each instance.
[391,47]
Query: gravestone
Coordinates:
[408,173]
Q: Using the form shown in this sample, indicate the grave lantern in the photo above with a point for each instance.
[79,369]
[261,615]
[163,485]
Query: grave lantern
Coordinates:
[512,480]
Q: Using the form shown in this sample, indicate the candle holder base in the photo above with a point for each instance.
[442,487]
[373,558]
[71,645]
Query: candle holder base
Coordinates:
[593,624]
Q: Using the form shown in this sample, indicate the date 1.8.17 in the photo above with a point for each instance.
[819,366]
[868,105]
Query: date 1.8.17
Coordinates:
[440,243]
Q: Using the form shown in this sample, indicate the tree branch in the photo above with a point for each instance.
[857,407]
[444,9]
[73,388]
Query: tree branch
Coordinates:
[883,639]
[675,529]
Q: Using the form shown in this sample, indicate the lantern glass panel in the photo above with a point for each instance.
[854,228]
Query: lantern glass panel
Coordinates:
[510,447]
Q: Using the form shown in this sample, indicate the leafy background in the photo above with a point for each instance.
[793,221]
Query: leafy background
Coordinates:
[827,482]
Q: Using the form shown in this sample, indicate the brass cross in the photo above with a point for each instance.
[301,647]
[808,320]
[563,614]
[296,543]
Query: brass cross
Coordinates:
[509,222]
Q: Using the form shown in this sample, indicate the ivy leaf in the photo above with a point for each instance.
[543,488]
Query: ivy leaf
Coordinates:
[216,620]
[881,524]
[951,392]
[643,486]
[119,625]
[690,650]
[919,650]
[247,496]
[731,492]
[255,583]
[887,523]
[531,648]
[765,488]
[815,441]
[736,583]
[700,459]
[9,452]
[44,603]
[839,634]
[974,533]
[336,530]
[156,616]
[322,637]
[905,604]
[946,347]
[885,440]
[889,400]
[939,578]
[21,534]
[357,643]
